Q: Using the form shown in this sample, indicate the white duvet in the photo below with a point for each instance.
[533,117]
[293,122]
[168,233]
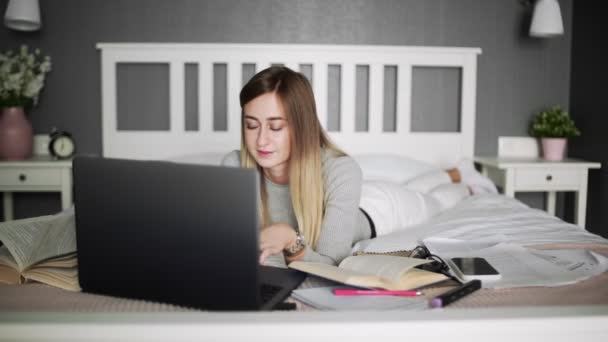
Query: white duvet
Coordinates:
[482,216]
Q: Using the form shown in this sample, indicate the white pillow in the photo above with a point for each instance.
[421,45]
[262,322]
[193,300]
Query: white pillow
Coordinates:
[391,168]
[394,207]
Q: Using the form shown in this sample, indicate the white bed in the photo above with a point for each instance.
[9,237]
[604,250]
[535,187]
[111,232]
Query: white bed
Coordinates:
[552,323]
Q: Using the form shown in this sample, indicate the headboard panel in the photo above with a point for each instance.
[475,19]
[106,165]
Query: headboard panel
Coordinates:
[437,147]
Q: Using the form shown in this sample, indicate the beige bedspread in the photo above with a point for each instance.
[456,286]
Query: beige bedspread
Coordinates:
[40,297]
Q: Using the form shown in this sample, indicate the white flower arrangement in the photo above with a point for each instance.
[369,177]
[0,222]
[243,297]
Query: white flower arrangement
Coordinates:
[22,77]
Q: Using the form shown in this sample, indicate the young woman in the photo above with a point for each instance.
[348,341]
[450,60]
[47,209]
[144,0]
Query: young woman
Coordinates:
[310,190]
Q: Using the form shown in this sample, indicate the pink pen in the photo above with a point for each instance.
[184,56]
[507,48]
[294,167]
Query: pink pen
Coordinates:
[356,292]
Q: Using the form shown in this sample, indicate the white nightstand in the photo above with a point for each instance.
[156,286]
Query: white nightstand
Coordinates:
[38,174]
[534,174]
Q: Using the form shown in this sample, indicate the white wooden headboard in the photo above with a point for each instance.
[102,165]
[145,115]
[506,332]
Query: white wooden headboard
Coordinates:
[437,147]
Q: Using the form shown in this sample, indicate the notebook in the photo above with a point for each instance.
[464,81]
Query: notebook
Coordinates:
[177,233]
[322,298]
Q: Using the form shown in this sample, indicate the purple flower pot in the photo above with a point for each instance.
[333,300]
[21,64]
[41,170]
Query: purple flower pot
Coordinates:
[16,134]
[554,149]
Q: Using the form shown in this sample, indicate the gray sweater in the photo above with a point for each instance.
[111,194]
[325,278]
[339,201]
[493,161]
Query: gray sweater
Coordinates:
[343,223]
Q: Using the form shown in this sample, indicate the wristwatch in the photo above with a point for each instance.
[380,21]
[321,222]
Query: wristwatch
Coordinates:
[296,247]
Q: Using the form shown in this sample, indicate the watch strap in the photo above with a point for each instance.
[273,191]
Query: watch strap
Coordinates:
[297,247]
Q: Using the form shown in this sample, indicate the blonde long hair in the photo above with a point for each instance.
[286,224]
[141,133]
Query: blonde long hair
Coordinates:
[307,141]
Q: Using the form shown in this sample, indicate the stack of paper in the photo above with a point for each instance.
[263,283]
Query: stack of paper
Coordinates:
[520,266]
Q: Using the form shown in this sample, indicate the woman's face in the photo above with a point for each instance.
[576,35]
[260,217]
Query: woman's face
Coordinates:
[267,135]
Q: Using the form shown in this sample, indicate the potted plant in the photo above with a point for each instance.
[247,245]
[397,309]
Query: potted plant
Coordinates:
[553,126]
[21,79]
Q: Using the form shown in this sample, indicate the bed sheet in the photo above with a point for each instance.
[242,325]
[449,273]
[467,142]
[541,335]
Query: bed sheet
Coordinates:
[485,216]
[44,298]
[476,217]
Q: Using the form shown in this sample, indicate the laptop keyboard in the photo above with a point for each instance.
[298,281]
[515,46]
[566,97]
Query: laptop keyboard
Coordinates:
[268,291]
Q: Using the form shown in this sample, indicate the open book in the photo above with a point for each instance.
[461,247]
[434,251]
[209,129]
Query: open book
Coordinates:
[374,271]
[40,249]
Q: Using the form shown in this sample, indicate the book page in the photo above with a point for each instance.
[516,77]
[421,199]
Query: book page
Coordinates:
[387,267]
[68,260]
[7,259]
[9,275]
[416,278]
[20,237]
[340,275]
[34,239]
[381,271]
[65,278]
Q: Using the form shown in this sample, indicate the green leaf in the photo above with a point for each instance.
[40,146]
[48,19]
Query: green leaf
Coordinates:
[553,122]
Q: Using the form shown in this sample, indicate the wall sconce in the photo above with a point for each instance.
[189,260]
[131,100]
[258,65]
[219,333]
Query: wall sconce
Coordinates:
[546,19]
[23,15]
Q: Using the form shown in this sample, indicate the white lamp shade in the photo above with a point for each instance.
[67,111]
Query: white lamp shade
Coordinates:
[23,15]
[547,19]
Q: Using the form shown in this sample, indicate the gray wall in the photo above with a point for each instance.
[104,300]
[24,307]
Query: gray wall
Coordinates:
[517,74]
[588,107]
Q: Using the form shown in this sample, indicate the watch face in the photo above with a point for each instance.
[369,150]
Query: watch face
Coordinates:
[63,146]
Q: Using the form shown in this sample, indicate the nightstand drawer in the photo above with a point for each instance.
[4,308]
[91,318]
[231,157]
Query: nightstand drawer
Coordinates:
[30,177]
[546,179]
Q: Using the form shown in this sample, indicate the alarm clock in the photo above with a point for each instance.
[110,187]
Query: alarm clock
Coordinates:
[62,145]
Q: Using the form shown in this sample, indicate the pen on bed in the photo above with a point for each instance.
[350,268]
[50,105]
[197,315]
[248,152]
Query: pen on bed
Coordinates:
[455,294]
[356,292]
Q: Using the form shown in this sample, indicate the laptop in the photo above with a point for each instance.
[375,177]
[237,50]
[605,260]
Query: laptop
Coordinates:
[183,234]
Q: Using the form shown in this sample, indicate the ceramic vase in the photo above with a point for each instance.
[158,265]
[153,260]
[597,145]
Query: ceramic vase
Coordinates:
[16,134]
[554,148]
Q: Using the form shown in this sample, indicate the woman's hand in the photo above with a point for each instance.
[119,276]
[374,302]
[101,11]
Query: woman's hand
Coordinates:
[275,238]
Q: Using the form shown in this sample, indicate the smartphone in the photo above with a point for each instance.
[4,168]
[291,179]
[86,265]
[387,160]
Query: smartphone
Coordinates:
[475,268]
